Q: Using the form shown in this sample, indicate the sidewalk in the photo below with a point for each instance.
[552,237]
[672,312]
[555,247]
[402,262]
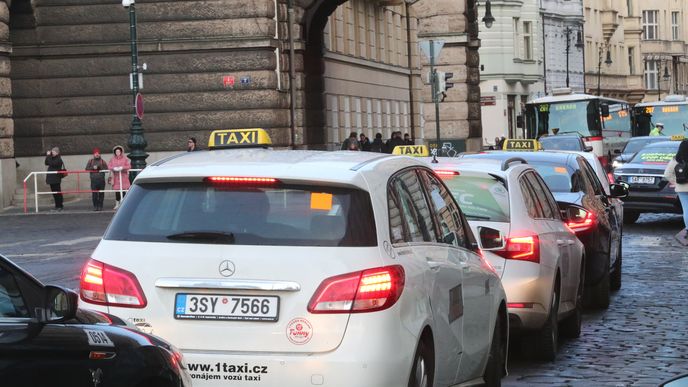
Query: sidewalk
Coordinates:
[73,206]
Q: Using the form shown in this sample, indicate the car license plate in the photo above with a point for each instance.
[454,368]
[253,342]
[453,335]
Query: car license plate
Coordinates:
[641,180]
[226,307]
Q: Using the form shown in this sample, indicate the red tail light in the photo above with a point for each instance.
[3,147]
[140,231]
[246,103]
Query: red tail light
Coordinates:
[520,305]
[237,180]
[582,221]
[107,285]
[363,291]
[443,173]
[525,248]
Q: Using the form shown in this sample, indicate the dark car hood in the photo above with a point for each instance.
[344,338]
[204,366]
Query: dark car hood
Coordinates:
[642,168]
[569,197]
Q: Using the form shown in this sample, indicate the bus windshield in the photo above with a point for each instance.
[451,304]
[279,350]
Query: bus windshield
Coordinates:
[674,118]
[580,117]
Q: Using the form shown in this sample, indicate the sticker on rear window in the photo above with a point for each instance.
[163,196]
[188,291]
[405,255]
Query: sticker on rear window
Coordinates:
[98,338]
[321,201]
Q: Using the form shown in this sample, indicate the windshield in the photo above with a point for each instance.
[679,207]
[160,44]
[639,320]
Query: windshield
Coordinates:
[561,143]
[480,198]
[581,117]
[674,118]
[636,145]
[279,216]
[655,155]
[557,177]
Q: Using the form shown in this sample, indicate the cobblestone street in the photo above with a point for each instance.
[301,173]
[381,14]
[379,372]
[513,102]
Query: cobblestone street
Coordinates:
[639,341]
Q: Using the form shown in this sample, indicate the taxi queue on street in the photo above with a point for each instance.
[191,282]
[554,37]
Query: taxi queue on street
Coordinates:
[270,267]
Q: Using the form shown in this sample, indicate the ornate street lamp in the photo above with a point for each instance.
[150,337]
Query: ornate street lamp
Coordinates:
[666,77]
[137,142]
[488,19]
[579,45]
[608,62]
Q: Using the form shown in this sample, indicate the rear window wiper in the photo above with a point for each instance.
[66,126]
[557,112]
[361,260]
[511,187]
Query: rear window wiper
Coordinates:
[206,236]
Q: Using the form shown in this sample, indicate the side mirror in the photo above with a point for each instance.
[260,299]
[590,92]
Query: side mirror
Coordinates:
[618,190]
[491,239]
[604,110]
[617,151]
[60,304]
[587,148]
[450,239]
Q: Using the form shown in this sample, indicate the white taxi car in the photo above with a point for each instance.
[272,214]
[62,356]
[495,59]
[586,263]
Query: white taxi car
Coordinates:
[299,268]
[520,228]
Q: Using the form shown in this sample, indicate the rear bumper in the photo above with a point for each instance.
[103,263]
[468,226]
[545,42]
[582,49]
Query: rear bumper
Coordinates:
[527,283]
[364,358]
[658,202]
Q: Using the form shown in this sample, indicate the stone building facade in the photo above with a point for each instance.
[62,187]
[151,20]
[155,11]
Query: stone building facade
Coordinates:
[225,64]
[562,20]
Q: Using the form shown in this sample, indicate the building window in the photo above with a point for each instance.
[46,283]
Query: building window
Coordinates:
[517,42]
[527,40]
[631,61]
[651,25]
[629,5]
[674,25]
[651,74]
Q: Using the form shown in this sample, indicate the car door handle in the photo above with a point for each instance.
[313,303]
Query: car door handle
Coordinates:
[434,265]
[561,242]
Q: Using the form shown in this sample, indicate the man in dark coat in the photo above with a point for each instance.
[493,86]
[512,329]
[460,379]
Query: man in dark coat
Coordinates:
[377,145]
[54,180]
[96,165]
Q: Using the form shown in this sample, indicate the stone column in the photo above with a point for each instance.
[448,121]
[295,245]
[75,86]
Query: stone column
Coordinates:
[7,162]
[454,23]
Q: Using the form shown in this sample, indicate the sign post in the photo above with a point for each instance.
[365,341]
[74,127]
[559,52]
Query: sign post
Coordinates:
[432,49]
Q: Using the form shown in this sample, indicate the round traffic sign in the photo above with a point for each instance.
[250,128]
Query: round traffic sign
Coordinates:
[138,104]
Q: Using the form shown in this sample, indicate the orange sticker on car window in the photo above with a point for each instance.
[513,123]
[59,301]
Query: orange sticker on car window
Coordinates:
[560,170]
[321,201]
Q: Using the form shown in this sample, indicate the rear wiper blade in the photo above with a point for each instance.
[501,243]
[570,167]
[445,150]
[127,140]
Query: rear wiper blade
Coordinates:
[214,236]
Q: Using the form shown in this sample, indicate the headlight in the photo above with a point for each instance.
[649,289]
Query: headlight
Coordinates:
[616,164]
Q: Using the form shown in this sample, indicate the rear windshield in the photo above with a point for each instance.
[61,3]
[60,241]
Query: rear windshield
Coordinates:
[635,146]
[276,216]
[657,156]
[562,143]
[480,198]
[556,176]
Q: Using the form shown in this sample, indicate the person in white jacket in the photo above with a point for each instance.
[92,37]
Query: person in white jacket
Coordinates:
[681,189]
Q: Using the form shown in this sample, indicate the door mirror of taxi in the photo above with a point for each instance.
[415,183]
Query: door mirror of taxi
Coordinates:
[449,239]
[618,190]
[604,110]
[60,304]
[491,239]
[587,148]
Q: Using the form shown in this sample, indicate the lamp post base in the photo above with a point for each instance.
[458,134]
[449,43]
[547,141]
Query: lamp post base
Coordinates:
[137,144]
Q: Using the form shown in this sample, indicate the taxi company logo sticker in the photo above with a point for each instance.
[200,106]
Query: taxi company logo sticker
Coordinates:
[299,331]
[227,268]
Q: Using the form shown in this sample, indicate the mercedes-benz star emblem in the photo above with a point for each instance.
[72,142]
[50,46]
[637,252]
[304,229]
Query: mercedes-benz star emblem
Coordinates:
[227,268]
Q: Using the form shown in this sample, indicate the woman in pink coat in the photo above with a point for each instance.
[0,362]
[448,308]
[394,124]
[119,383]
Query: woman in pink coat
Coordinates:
[120,166]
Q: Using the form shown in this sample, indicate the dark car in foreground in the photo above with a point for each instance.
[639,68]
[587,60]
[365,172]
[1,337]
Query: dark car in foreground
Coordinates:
[46,341]
[565,142]
[649,191]
[632,147]
[588,211]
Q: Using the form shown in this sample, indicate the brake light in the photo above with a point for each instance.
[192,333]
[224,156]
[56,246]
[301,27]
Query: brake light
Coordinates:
[363,291]
[441,172]
[520,305]
[241,180]
[110,286]
[524,248]
[593,138]
[582,221]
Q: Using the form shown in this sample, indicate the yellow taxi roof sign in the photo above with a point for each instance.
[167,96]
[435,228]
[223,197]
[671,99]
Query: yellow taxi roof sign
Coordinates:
[521,145]
[411,150]
[678,137]
[238,138]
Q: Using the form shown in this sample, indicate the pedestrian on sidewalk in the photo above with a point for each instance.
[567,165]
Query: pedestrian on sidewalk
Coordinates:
[191,145]
[120,166]
[670,174]
[377,145]
[54,180]
[96,165]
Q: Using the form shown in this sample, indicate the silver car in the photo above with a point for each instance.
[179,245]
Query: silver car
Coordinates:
[540,260]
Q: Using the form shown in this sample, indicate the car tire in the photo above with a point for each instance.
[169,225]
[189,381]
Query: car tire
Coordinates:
[571,326]
[423,369]
[547,339]
[630,217]
[615,277]
[494,370]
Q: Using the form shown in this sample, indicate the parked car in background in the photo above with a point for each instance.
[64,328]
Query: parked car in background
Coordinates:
[589,212]
[566,142]
[633,146]
[539,259]
[649,192]
[46,341]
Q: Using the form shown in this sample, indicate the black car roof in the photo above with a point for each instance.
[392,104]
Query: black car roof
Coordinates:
[553,157]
